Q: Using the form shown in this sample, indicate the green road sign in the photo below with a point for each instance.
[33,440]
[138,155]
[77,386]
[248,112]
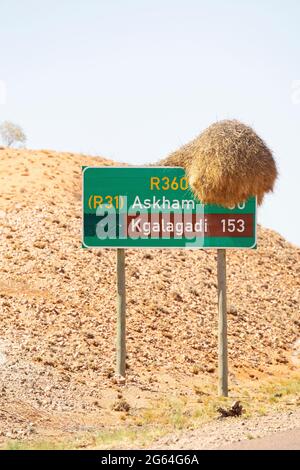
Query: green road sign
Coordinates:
[155,208]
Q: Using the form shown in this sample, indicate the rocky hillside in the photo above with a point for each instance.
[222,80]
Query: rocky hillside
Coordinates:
[57,300]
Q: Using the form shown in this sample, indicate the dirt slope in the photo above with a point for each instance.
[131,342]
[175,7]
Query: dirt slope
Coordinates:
[57,301]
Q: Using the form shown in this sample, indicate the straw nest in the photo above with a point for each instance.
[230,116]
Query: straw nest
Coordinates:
[226,164]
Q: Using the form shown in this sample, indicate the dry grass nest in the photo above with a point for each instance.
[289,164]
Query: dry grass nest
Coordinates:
[226,164]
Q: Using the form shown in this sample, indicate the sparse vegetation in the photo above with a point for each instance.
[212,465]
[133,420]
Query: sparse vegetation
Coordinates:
[121,405]
[12,134]
[165,416]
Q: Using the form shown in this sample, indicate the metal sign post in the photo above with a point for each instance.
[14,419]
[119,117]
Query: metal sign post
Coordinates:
[121,313]
[222,325]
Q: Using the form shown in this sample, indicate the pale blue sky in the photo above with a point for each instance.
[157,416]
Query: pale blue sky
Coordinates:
[133,80]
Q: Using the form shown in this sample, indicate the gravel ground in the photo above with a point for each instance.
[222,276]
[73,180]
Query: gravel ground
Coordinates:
[221,433]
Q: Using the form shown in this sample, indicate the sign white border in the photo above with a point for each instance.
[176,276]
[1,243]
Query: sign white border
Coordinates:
[159,247]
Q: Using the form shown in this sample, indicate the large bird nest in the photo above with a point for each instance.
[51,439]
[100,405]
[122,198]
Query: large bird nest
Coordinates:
[226,164]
